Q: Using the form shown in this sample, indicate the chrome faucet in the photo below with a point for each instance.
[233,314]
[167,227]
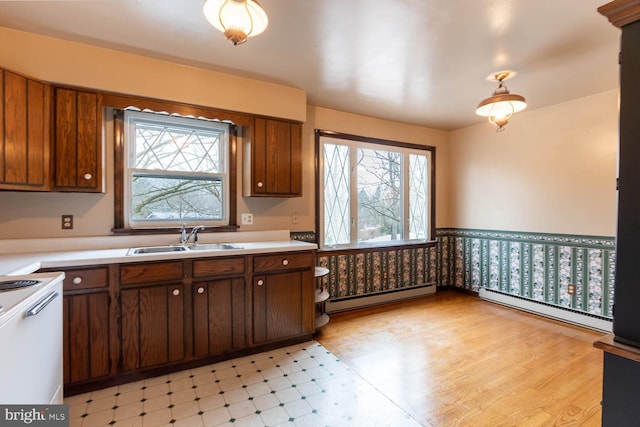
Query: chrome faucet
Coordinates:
[184,238]
[194,233]
[183,234]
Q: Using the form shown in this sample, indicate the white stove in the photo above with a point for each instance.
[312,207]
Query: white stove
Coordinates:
[31,331]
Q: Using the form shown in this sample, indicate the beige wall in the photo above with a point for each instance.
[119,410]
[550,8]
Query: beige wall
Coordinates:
[552,170]
[79,64]
[33,215]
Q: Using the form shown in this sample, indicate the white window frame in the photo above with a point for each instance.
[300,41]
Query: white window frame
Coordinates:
[130,117]
[354,142]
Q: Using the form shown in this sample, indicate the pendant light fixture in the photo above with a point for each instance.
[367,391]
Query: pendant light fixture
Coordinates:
[237,19]
[502,105]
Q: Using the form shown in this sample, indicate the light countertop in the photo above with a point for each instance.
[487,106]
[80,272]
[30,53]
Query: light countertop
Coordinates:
[29,261]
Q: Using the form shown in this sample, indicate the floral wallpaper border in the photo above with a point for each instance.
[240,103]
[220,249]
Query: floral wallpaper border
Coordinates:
[357,274]
[538,267]
[534,266]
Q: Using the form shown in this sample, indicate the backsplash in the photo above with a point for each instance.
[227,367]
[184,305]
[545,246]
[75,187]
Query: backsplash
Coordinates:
[534,266]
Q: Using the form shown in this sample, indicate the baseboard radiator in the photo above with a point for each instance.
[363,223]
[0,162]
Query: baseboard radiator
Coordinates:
[334,306]
[558,313]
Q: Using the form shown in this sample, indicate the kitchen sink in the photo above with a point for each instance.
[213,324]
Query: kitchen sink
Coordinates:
[214,247]
[156,250]
[177,248]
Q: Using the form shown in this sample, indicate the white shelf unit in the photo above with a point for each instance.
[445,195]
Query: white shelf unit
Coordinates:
[321,297]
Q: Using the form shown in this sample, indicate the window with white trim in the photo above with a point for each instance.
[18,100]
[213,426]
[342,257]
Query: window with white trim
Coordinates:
[373,192]
[175,171]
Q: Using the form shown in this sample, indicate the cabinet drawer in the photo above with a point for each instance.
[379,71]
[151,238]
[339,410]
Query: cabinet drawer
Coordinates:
[150,272]
[218,266]
[86,278]
[282,262]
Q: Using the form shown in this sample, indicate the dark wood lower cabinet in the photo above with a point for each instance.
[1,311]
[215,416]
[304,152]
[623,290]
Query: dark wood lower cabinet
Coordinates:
[124,322]
[218,316]
[86,337]
[152,326]
[283,306]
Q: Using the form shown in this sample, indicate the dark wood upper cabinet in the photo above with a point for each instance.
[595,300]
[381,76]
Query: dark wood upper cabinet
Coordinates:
[273,159]
[77,141]
[24,133]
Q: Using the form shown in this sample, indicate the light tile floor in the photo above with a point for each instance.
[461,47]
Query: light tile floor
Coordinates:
[302,385]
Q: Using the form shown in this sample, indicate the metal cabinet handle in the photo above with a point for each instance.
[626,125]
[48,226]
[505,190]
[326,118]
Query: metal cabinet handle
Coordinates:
[200,290]
[285,262]
[87,176]
[176,292]
[77,280]
[260,184]
[260,282]
[40,305]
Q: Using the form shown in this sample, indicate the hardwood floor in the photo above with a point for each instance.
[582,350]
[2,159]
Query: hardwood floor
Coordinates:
[454,360]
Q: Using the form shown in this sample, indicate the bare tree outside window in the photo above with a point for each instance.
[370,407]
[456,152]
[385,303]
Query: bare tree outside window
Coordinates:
[379,195]
[176,169]
[373,193]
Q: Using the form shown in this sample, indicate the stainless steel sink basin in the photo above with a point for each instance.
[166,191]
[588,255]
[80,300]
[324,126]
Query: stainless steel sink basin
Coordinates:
[214,247]
[177,248]
[156,250]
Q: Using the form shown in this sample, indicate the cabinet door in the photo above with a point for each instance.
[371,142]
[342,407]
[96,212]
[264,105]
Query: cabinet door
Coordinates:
[24,133]
[152,326]
[86,333]
[218,316]
[276,159]
[282,305]
[78,141]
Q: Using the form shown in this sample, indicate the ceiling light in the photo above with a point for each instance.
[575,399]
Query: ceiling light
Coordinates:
[237,19]
[502,105]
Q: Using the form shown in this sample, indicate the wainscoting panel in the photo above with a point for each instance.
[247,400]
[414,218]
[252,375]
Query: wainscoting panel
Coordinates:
[533,267]
[367,272]
[536,267]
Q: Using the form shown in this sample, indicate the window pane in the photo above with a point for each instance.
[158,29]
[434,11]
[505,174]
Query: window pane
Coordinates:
[379,195]
[176,199]
[418,193]
[174,148]
[336,195]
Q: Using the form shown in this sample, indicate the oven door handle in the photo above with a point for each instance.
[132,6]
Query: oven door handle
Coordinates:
[39,306]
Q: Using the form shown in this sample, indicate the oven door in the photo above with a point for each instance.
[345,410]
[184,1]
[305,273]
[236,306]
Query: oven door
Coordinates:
[31,350]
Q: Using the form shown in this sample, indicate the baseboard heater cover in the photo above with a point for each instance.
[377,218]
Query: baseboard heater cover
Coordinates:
[557,313]
[333,306]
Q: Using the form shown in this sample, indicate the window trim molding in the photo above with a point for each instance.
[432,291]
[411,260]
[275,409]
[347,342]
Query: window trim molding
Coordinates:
[120,227]
[384,142]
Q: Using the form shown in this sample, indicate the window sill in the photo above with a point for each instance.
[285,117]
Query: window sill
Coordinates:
[379,247]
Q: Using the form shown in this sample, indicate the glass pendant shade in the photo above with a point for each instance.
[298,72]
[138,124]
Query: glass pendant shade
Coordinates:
[502,105]
[237,19]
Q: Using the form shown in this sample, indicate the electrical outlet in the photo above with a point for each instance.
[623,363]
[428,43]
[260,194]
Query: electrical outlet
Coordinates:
[571,289]
[246,219]
[67,222]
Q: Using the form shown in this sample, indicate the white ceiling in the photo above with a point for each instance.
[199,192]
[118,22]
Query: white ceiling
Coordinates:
[416,61]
